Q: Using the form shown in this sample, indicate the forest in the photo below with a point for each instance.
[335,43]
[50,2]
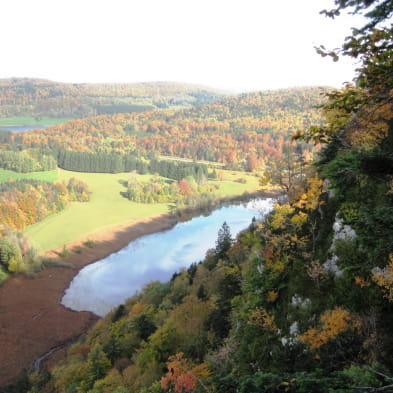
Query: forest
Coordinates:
[301,302]
[24,202]
[38,98]
[26,161]
[242,131]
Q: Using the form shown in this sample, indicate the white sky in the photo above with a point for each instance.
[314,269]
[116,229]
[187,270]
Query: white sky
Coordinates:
[238,45]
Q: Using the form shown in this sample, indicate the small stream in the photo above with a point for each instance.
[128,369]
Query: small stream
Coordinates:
[103,285]
[38,361]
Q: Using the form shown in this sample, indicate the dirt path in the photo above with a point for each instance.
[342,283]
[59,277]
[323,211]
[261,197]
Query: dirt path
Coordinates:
[32,321]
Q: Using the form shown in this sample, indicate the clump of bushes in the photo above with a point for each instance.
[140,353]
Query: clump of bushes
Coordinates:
[17,255]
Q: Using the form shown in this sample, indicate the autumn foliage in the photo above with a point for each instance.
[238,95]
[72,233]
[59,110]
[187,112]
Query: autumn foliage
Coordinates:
[45,98]
[384,278]
[183,376]
[243,130]
[25,202]
[333,322]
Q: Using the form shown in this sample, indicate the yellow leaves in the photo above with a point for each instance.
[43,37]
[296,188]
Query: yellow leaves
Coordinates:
[189,318]
[260,317]
[333,322]
[272,296]
[16,265]
[338,320]
[384,279]
[296,216]
[279,217]
[310,199]
[371,127]
[312,338]
[299,219]
[264,181]
[278,266]
[137,309]
[201,371]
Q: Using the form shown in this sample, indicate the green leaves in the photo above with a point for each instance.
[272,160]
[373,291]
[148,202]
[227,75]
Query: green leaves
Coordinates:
[321,50]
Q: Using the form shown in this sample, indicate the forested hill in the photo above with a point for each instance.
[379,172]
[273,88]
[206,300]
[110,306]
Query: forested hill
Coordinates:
[301,303]
[43,98]
[234,129]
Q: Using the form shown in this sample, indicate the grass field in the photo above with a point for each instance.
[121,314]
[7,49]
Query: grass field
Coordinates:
[30,121]
[49,176]
[229,184]
[107,207]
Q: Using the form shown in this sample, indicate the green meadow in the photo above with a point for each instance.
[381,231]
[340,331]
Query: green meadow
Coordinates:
[49,176]
[236,183]
[107,207]
[31,121]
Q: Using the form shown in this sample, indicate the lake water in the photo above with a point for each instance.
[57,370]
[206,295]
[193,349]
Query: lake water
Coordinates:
[101,286]
[20,128]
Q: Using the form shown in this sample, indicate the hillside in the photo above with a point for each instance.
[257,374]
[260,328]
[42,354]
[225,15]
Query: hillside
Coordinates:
[300,303]
[21,97]
[241,131]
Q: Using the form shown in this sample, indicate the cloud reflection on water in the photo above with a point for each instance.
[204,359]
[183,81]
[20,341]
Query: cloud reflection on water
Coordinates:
[107,283]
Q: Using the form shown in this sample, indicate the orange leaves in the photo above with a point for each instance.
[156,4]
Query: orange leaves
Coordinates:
[237,130]
[333,322]
[184,187]
[182,375]
[22,204]
[252,162]
[361,282]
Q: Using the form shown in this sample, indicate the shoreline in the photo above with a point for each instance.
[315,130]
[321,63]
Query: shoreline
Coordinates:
[32,320]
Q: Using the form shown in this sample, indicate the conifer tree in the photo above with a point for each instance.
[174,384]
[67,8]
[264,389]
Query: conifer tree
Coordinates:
[224,240]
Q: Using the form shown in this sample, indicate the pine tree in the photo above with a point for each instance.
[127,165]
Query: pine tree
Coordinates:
[224,241]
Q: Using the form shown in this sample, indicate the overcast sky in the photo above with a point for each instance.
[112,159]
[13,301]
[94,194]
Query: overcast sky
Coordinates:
[238,45]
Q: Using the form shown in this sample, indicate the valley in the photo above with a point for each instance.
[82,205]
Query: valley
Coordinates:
[299,300]
[107,207]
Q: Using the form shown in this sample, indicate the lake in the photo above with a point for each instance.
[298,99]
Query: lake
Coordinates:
[21,128]
[105,284]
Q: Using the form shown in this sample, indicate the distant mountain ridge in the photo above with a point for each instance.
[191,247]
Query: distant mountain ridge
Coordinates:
[45,98]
